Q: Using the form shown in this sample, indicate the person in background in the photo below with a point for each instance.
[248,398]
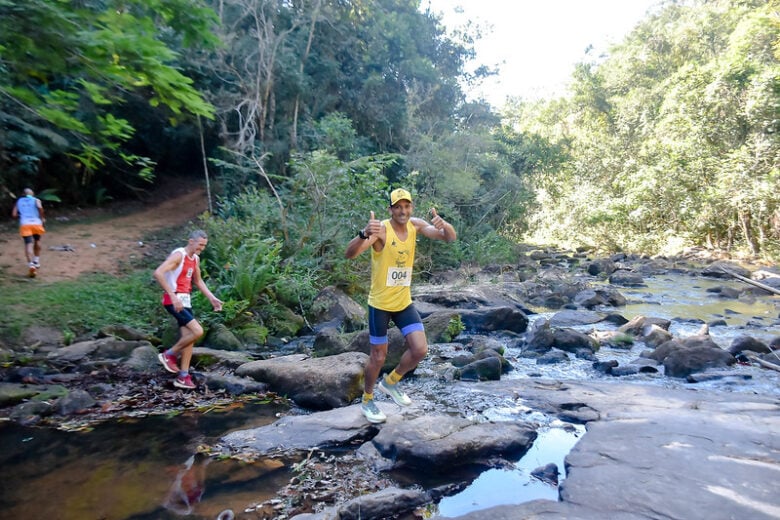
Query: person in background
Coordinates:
[29,210]
[392,244]
[176,275]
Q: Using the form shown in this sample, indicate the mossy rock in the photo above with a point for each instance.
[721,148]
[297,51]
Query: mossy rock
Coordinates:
[221,338]
[253,334]
[13,393]
[288,323]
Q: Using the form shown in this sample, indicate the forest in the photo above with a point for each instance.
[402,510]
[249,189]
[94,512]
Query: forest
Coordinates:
[301,115]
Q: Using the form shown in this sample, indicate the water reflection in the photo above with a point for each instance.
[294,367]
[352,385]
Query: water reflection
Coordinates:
[496,487]
[133,469]
[188,486]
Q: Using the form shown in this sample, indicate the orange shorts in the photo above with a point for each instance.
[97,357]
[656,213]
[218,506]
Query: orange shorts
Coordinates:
[29,230]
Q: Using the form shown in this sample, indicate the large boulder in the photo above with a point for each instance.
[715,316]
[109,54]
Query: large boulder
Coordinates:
[601,265]
[332,307]
[485,369]
[316,383]
[386,503]
[434,443]
[333,428]
[328,341]
[716,270]
[103,348]
[468,297]
[686,361]
[437,326]
[627,279]
[220,337]
[747,343]
[638,325]
[570,340]
[540,337]
[655,336]
[492,319]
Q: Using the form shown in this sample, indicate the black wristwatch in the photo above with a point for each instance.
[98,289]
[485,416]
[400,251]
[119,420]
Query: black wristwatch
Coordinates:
[362,235]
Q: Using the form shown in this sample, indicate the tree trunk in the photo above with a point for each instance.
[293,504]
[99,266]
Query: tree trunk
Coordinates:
[745,222]
[294,129]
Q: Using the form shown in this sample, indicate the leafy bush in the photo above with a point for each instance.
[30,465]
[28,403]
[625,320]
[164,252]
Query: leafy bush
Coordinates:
[454,327]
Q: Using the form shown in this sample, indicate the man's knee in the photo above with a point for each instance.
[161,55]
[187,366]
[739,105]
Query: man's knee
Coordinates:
[194,329]
[417,344]
[197,329]
[378,354]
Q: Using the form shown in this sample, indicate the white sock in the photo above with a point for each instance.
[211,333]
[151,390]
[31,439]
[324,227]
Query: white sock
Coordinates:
[36,260]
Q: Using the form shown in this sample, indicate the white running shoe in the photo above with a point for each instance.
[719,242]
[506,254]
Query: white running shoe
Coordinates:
[400,398]
[372,412]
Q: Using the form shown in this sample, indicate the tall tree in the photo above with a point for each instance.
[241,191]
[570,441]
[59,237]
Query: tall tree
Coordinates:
[673,137]
[68,66]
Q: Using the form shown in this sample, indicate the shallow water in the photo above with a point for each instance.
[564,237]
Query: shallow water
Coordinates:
[683,298]
[133,469]
[675,297]
[688,304]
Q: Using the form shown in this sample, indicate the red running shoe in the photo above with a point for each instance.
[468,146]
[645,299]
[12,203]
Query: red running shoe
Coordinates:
[169,362]
[184,382]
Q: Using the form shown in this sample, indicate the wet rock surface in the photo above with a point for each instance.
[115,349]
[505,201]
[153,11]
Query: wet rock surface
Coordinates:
[659,453]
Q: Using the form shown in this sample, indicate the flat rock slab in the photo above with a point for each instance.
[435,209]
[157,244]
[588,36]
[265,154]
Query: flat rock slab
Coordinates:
[658,453]
[335,427]
[435,442]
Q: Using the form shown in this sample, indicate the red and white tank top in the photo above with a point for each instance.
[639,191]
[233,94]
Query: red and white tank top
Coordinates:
[181,277]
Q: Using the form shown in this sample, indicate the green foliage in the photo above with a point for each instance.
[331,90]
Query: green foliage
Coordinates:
[68,67]
[672,140]
[623,340]
[48,195]
[492,247]
[68,336]
[336,135]
[328,200]
[83,306]
[454,327]
[247,269]
[251,269]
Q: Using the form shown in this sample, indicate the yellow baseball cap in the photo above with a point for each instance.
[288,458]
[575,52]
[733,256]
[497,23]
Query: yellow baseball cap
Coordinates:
[399,194]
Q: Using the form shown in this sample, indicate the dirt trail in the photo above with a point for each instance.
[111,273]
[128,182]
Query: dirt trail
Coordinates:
[96,241]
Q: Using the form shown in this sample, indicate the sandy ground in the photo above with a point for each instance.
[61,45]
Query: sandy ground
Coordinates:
[81,242]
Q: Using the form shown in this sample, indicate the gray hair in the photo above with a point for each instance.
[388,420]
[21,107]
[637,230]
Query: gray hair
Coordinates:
[198,233]
[29,191]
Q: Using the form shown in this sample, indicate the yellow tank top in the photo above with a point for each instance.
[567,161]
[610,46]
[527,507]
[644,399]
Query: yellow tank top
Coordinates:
[391,270]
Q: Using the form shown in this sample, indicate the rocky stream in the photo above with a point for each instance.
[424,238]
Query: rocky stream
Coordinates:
[559,387]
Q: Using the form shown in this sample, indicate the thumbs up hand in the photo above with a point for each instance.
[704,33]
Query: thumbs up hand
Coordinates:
[374,225]
[437,221]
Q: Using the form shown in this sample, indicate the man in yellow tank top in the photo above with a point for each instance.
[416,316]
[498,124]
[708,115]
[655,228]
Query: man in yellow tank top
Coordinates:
[392,244]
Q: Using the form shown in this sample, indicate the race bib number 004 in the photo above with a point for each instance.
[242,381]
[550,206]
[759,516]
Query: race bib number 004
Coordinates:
[399,276]
[185,299]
